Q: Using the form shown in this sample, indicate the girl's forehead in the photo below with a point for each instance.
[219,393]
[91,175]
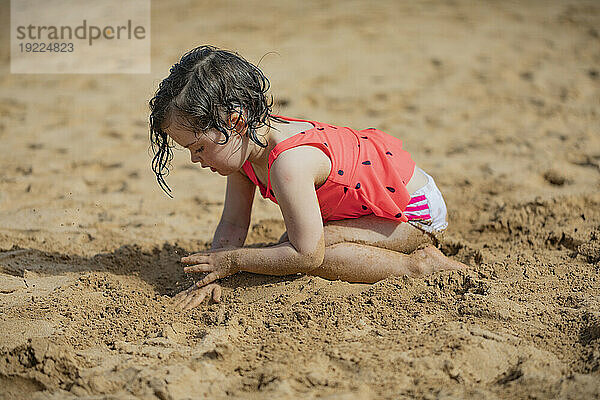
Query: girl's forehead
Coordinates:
[184,137]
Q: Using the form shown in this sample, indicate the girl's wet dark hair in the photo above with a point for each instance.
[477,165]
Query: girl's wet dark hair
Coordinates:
[204,85]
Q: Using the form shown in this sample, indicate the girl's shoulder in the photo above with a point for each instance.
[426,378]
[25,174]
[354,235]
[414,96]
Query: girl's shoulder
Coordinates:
[286,131]
[310,160]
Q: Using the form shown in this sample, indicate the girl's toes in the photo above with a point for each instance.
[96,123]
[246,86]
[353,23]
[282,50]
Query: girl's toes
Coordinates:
[440,261]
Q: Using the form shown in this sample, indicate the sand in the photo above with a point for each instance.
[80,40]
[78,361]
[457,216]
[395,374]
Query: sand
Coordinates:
[499,101]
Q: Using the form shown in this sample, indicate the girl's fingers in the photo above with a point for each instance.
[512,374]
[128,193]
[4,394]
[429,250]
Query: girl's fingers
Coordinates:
[183,302]
[195,300]
[194,296]
[203,255]
[182,298]
[199,268]
[194,259]
[216,293]
[191,299]
[210,278]
[179,297]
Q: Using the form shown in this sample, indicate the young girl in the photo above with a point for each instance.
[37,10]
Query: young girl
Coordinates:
[355,205]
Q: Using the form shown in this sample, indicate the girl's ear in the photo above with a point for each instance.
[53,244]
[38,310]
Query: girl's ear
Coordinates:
[237,122]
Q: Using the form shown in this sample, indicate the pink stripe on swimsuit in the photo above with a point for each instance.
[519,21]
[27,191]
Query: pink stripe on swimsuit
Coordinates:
[418,209]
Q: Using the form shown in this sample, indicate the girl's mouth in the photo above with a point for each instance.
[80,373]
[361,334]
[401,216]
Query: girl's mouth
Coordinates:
[212,169]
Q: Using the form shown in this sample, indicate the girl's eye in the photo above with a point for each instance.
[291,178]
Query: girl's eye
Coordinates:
[200,149]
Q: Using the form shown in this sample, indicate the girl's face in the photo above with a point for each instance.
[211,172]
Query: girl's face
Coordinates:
[224,159]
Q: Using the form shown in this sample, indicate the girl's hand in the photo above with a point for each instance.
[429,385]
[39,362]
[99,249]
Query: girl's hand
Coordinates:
[193,296]
[219,263]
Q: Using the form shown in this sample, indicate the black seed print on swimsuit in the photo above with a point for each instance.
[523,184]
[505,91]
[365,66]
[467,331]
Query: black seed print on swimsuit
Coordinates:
[302,133]
[320,128]
[388,153]
[325,143]
[357,186]
[391,189]
[359,145]
[366,163]
[398,215]
[364,137]
[340,172]
[345,189]
[364,207]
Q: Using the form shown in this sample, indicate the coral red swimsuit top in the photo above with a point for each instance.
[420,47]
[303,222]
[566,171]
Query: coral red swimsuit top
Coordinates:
[369,171]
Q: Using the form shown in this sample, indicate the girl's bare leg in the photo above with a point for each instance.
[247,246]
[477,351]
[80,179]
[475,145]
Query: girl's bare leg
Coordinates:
[370,248]
[354,262]
[373,231]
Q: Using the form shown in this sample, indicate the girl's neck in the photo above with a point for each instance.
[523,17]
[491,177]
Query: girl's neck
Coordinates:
[278,132]
[259,156]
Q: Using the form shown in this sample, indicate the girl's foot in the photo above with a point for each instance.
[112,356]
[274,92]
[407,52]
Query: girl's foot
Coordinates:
[429,259]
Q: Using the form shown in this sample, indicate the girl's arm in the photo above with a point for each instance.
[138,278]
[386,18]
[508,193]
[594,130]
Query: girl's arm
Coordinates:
[230,233]
[237,209]
[292,180]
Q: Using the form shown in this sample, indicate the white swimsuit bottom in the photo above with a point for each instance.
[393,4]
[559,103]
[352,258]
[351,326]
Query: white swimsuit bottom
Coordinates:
[427,209]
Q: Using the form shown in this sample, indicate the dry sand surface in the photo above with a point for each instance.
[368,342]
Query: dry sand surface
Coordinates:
[499,101]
